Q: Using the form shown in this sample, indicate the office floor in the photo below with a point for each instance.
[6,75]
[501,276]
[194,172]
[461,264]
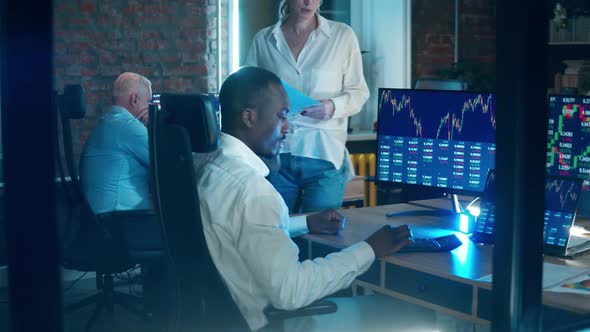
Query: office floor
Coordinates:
[124,321]
[121,320]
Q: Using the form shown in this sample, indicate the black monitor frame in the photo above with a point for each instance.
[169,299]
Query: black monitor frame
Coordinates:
[583,207]
[431,189]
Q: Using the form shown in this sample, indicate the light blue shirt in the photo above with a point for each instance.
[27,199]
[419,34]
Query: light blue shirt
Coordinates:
[114,163]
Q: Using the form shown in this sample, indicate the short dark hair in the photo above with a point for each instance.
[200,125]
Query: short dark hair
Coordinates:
[240,90]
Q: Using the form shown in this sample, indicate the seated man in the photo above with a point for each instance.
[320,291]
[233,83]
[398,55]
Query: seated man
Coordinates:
[246,221]
[114,163]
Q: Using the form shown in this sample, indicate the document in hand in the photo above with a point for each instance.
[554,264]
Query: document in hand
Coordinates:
[298,100]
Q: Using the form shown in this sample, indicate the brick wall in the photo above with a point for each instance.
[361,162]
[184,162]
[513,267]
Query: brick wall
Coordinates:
[173,43]
[433,41]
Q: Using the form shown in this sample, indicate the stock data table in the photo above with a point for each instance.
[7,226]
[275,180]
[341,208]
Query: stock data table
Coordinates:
[436,138]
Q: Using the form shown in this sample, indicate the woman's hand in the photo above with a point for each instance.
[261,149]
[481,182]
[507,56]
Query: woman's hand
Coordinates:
[323,111]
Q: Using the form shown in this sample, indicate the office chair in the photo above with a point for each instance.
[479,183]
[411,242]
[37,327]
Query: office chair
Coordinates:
[187,124]
[95,243]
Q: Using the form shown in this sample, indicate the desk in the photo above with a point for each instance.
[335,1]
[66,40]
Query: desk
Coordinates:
[445,282]
[354,193]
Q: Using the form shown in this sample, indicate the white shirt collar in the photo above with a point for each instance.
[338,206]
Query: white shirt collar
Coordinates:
[235,147]
[323,27]
[118,108]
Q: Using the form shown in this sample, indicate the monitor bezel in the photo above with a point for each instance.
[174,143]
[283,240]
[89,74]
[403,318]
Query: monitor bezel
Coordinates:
[444,191]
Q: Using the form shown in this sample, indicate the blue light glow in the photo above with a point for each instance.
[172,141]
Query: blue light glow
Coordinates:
[462,251]
[464,223]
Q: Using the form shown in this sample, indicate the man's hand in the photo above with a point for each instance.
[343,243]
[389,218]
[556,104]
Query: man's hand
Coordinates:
[325,222]
[143,116]
[323,111]
[388,240]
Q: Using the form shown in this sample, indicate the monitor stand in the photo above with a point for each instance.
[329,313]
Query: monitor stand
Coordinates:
[455,208]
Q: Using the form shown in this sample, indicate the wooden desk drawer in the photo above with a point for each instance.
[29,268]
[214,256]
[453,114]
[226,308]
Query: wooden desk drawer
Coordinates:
[552,317]
[484,303]
[372,275]
[430,288]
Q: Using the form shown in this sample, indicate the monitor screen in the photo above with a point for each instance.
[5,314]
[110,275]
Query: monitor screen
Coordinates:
[439,139]
[155,98]
[568,145]
[561,198]
[484,223]
[483,230]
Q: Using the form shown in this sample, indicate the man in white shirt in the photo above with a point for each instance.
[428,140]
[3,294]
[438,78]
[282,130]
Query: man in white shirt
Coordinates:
[246,222]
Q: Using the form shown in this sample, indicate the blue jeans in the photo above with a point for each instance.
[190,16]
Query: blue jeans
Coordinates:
[309,185]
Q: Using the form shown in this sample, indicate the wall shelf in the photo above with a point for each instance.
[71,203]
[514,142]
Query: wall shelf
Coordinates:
[560,51]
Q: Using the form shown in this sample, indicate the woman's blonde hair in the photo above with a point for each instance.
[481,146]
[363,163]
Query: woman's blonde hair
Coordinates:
[284,8]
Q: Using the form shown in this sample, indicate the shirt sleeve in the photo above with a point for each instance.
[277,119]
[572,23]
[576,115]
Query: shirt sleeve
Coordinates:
[252,56]
[136,142]
[354,90]
[298,226]
[266,247]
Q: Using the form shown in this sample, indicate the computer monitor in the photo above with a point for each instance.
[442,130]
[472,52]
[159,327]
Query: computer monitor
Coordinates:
[568,144]
[444,140]
[561,199]
[156,98]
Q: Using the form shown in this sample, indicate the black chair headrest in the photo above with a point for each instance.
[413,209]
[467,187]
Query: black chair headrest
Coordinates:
[197,114]
[72,103]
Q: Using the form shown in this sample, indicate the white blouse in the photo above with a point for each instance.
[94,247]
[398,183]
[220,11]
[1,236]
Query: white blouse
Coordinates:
[329,67]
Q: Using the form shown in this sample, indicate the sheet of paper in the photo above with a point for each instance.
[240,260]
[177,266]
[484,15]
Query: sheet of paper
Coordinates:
[553,274]
[488,278]
[298,100]
[579,285]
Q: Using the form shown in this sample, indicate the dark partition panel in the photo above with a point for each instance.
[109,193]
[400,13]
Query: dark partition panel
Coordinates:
[521,132]
[27,138]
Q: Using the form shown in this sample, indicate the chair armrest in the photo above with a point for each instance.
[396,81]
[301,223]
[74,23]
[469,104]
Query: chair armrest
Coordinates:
[320,307]
[127,216]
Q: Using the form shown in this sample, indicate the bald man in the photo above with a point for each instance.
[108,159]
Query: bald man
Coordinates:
[114,163]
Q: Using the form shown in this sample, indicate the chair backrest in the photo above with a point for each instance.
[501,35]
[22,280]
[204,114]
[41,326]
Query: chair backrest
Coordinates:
[186,124]
[69,105]
[81,236]
[440,84]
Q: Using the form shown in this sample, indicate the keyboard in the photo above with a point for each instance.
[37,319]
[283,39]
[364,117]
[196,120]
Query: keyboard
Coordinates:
[438,244]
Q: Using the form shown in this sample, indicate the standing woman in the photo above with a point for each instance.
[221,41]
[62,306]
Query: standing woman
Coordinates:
[322,59]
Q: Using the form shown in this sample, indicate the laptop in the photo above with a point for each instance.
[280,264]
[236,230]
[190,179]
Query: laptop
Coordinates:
[483,229]
[561,200]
